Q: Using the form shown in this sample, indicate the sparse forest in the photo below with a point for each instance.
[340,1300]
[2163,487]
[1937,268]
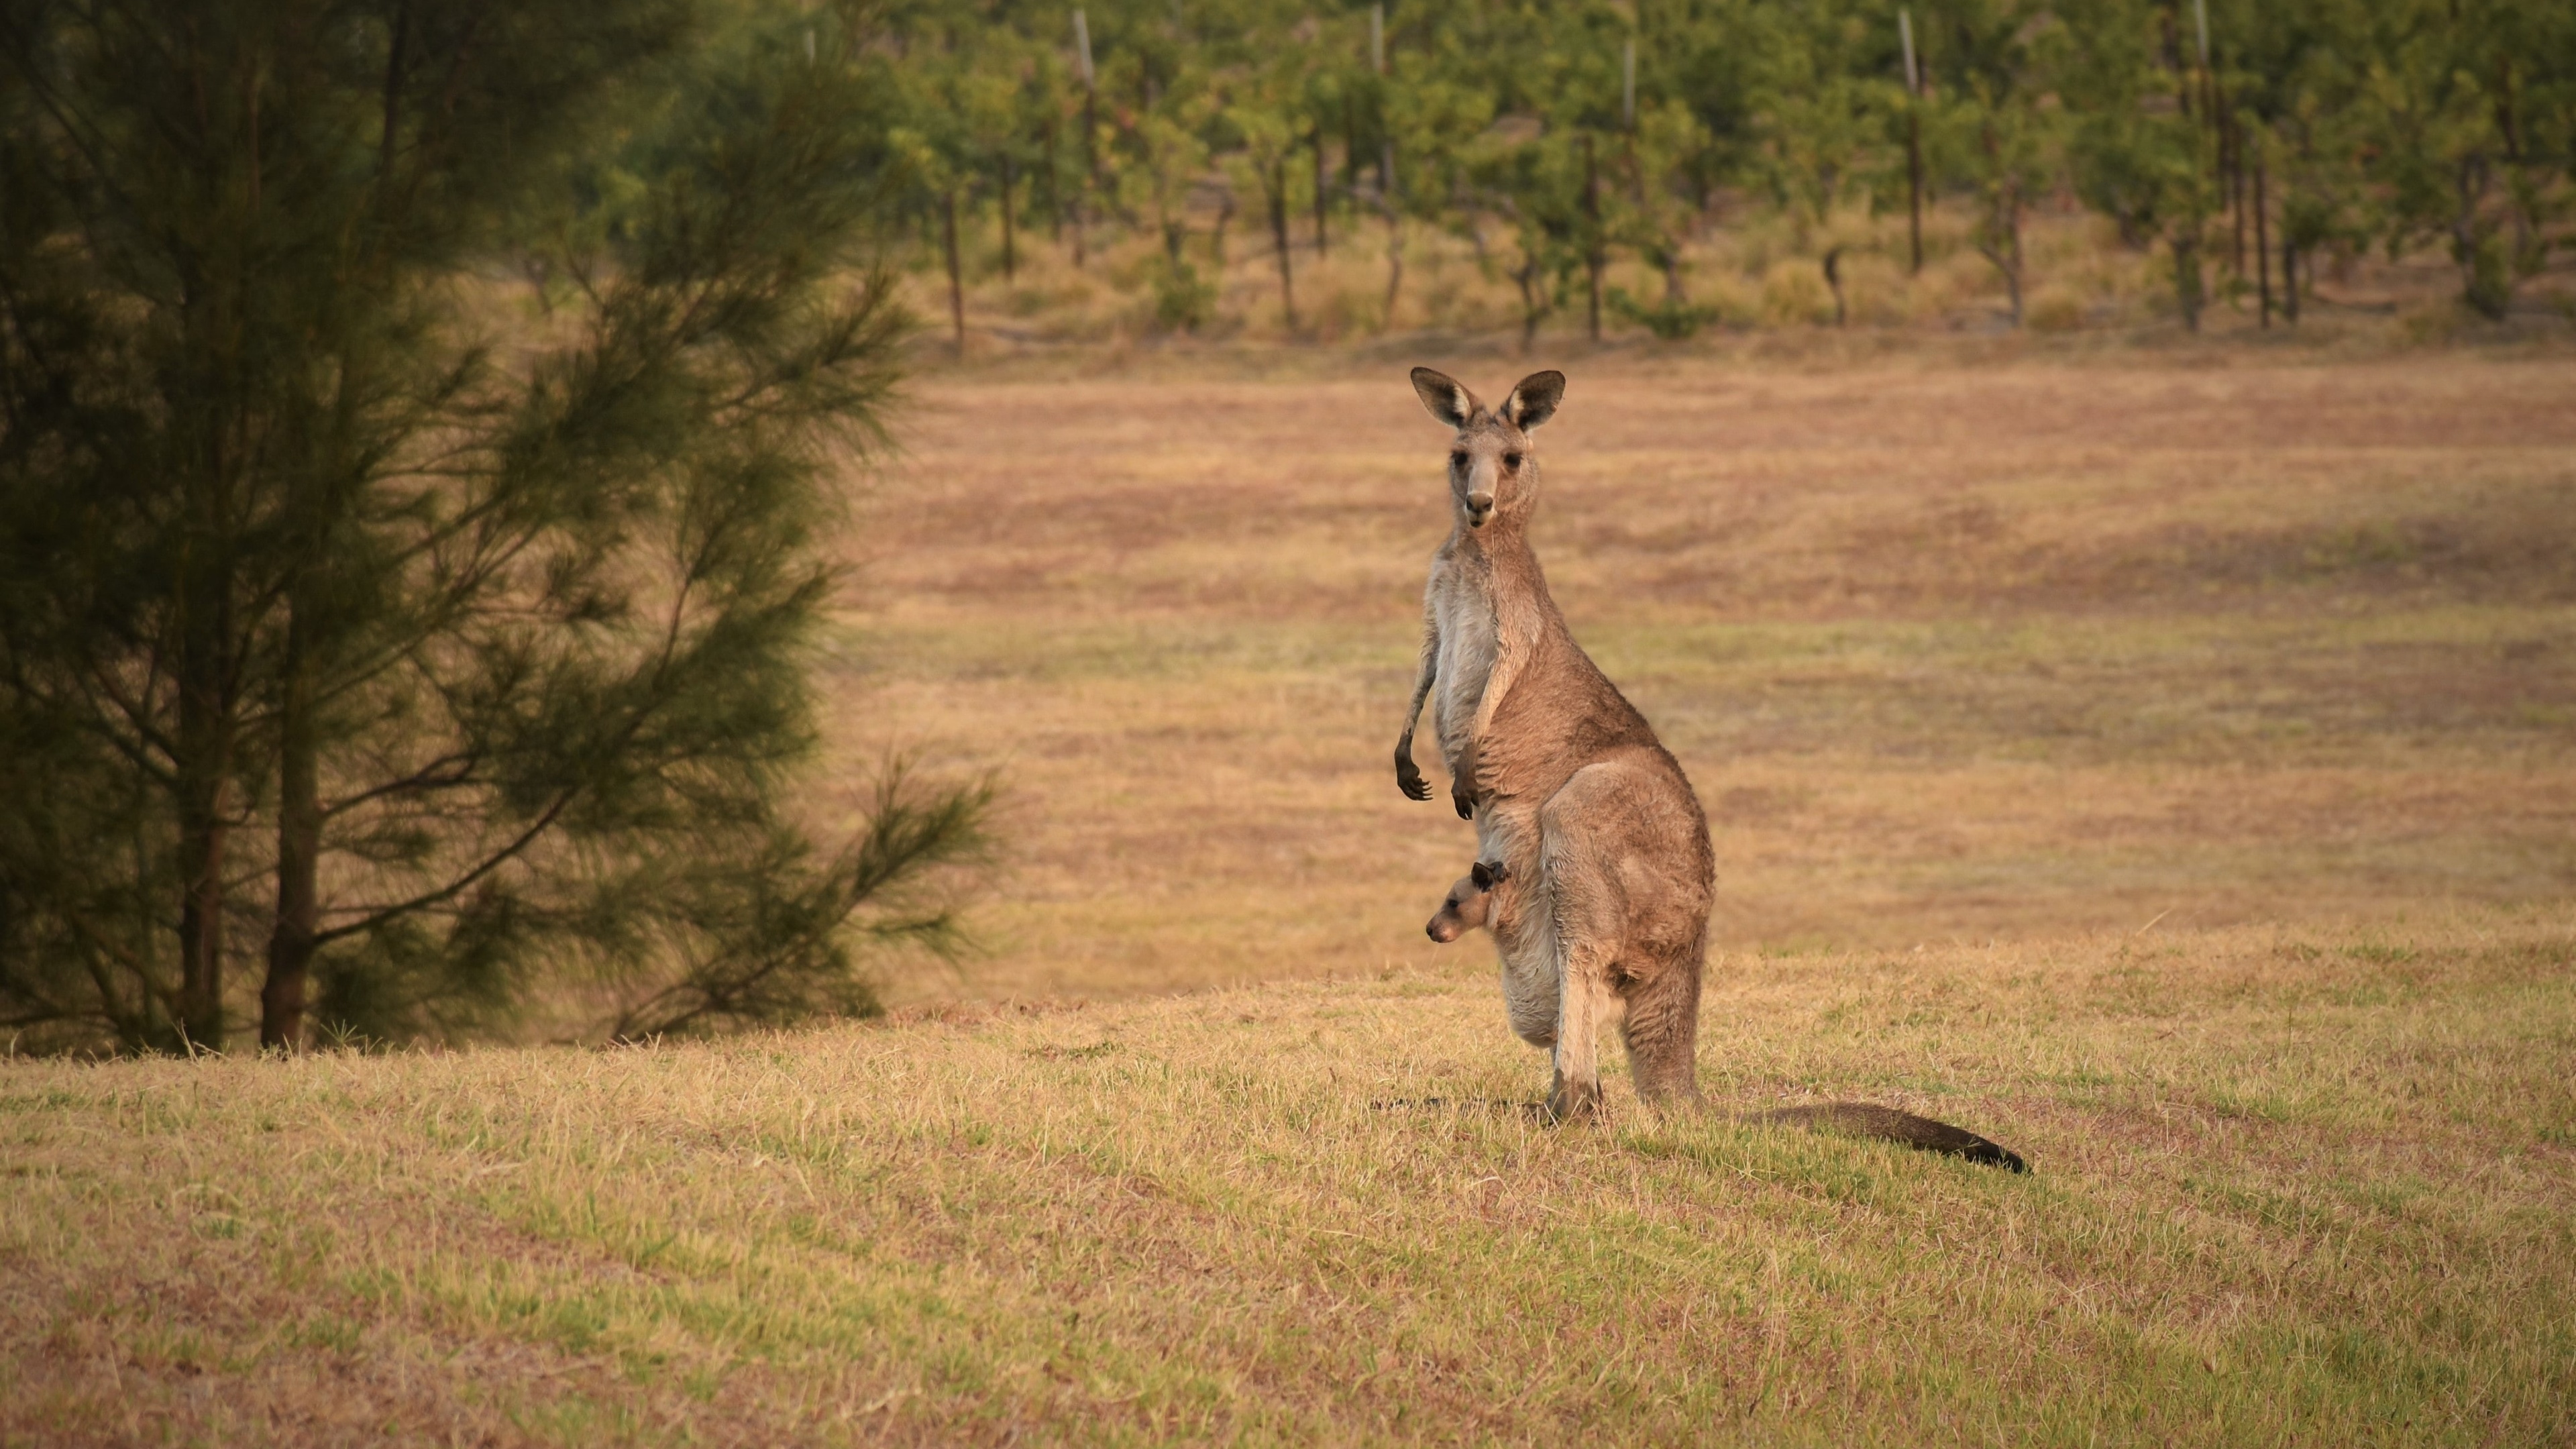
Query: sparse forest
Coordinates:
[2230,147]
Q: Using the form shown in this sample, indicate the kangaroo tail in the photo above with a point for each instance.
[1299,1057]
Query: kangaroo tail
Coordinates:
[1861,1119]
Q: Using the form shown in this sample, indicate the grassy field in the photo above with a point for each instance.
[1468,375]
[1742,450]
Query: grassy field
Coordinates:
[2162,762]
[2289,1187]
[1952,653]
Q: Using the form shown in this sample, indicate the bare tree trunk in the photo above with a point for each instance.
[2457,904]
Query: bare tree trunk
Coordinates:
[2262,239]
[2235,143]
[1394,225]
[1394,259]
[1531,311]
[1010,260]
[1090,175]
[1593,260]
[956,273]
[299,845]
[2187,290]
[203,768]
[1054,196]
[1914,187]
[2289,281]
[1319,189]
[1834,280]
[1279,238]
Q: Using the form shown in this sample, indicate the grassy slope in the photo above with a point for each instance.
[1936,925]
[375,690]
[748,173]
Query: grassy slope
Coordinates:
[2230,702]
[2289,1186]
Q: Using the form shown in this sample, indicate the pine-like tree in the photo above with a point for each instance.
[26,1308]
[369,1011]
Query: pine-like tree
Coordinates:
[419,426]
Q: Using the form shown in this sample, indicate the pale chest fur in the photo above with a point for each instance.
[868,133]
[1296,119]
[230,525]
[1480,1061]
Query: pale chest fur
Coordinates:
[1462,607]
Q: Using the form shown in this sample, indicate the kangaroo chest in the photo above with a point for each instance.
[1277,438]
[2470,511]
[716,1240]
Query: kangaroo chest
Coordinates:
[1462,604]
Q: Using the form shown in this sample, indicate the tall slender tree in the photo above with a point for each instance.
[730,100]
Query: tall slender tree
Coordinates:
[350,630]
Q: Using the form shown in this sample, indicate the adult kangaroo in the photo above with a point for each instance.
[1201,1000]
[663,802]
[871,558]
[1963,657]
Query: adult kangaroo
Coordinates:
[1601,875]
[1604,846]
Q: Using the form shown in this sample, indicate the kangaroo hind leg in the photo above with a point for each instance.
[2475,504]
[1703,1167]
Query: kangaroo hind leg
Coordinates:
[1661,1029]
[1586,1003]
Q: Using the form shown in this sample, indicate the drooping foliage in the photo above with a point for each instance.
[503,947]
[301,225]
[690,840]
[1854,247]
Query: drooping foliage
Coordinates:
[420,432]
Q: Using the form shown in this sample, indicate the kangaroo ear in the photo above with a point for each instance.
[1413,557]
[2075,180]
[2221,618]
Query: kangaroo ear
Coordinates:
[1534,399]
[1488,876]
[1445,397]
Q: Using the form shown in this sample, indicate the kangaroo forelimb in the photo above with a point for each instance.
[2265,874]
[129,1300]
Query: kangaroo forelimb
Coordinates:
[1408,775]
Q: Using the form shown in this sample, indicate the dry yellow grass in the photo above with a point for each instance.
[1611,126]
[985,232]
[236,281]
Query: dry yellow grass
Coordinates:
[1951,654]
[2166,766]
[2290,1187]
[1749,271]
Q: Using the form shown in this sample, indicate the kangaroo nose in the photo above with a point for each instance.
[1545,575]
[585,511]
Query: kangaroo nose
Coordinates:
[1433,931]
[1478,505]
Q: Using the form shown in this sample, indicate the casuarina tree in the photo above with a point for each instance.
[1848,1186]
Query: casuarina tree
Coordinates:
[420,432]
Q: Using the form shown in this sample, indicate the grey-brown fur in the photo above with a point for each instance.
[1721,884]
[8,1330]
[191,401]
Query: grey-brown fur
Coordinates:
[1610,872]
[1473,904]
[1601,849]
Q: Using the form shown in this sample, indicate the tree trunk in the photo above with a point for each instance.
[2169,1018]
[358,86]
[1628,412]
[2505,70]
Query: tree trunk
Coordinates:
[956,274]
[2289,281]
[299,846]
[1279,239]
[2262,240]
[2236,183]
[1350,142]
[1914,187]
[2187,293]
[1394,226]
[1531,311]
[1090,172]
[1054,194]
[2012,247]
[1593,260]
[1010,260]
[1319,189]
[203,768]
[1834,282]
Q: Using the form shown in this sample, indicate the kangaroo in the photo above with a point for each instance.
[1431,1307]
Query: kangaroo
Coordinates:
[1598,871]
[1475,902]
[1605,853]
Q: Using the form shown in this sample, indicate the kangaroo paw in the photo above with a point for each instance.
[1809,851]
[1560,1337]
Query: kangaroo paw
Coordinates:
[1568,1104]
[1408,777]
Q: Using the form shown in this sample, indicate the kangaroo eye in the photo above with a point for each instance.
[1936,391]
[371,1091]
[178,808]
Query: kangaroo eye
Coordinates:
[1458,459]
[1512,461]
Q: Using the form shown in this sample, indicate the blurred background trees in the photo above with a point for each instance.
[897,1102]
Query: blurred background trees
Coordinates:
[1563,143]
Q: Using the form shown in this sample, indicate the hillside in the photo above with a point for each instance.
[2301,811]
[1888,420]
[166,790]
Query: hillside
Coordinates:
[2290,1185]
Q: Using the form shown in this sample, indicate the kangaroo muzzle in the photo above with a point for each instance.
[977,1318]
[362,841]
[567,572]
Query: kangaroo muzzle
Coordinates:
[1480,506]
